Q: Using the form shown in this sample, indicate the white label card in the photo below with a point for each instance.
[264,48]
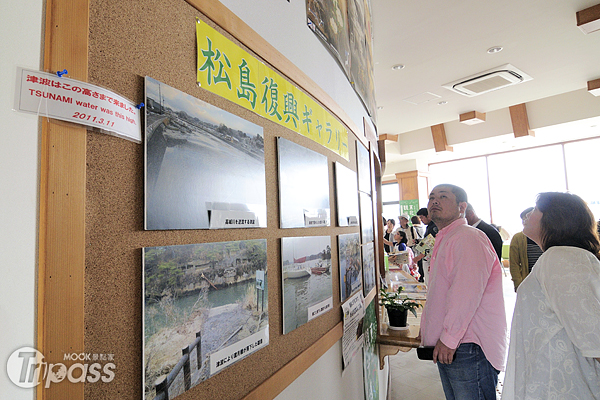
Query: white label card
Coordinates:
[70,100]
[320,308]
[227,219]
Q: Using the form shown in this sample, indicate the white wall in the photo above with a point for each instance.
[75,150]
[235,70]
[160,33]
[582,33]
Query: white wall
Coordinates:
[21,32]
[322,380]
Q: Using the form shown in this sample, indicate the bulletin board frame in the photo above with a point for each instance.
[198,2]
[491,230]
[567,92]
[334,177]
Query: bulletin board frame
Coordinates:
[66,281]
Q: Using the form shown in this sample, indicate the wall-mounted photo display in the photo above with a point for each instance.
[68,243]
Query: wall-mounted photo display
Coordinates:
[364,168]
[205,167]
[303,186]
[350,265]
[368,264]
[210,299]
[346,188]
[366,218]
[307,282]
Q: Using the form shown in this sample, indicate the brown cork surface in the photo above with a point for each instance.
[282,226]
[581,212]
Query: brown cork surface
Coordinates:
[127,41]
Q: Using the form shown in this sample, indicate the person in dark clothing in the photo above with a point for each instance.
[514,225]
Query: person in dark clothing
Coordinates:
[491,232]
[432,229]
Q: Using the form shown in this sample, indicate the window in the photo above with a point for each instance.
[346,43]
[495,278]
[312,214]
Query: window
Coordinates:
[582,172]
[471,175]
[501,186]
[390,197]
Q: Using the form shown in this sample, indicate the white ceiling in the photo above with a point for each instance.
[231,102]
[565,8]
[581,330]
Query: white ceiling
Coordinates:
[440,41]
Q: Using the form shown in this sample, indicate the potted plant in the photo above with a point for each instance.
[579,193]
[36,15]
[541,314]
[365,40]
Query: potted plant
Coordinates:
[397,306]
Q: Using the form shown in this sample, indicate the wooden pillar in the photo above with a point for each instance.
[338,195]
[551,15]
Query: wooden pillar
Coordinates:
[413,185]
[61,265]
[520,121]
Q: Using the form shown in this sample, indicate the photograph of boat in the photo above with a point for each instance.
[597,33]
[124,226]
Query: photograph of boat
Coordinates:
[307,281]
[350,265]
[209,298]
[204,165]
[303,186]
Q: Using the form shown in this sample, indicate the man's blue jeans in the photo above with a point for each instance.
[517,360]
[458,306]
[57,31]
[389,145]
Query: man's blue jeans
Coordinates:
[470,376]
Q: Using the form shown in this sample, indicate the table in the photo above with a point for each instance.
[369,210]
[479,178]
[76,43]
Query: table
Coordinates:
[392,341]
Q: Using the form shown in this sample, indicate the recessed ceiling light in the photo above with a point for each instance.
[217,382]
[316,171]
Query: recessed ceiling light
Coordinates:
[441,103]
[495,49]
[398,67]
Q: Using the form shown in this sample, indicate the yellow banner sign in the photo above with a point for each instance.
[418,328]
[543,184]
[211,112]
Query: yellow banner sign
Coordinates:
[231,72]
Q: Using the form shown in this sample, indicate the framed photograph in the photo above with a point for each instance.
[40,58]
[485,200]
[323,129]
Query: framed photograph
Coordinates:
[364,168]
[303,186]
[346,190]
[350,265]
[328,19]
[205,167]
[368,264]
[366,218]
[307,281]
[210,298]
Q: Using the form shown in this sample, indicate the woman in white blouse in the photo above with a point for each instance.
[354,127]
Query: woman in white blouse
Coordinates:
[554,348]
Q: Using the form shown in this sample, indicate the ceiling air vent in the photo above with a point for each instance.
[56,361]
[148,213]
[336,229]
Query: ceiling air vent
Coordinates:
[486,81]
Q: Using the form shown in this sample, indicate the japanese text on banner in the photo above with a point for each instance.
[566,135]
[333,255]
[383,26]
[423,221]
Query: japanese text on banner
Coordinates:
[231,72]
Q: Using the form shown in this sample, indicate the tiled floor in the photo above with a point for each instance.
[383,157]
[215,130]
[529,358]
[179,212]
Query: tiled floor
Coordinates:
[414,379]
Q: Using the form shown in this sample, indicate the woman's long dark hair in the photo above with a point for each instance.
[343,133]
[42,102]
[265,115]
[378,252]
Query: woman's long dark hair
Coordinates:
[567,221]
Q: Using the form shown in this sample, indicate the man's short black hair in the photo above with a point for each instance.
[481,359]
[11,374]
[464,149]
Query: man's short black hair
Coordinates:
[423,211]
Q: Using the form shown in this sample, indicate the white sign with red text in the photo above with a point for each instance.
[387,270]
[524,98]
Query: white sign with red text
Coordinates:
[70,100]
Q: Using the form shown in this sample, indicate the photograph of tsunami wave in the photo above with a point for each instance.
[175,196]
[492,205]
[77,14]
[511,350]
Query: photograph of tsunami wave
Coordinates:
[204,165]
[208,299]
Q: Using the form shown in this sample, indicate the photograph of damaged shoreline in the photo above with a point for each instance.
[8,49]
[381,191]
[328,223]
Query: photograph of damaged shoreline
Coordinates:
[199,158]
[202,298]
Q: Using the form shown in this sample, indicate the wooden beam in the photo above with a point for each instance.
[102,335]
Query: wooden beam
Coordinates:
[588,20]
[281,379]
[472,118]
[520,122]
[594,87]
[61,264]
[381,147]
[439,138]
[389,136]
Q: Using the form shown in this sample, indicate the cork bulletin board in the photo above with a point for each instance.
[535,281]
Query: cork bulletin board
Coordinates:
[128,41]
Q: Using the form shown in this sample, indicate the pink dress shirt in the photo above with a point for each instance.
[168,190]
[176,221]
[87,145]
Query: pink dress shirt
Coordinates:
[465,303]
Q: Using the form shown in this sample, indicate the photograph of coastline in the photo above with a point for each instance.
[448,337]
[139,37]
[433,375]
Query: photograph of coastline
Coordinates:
[307,281]
[368,264]
[366,218]
[350,265]
[346,189]
[206,298]
[205,167]
[364,168]
[303,186]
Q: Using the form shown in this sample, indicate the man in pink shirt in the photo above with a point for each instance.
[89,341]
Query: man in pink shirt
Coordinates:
[464,313]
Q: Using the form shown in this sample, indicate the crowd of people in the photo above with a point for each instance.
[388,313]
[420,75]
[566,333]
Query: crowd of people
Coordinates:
[554,349]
